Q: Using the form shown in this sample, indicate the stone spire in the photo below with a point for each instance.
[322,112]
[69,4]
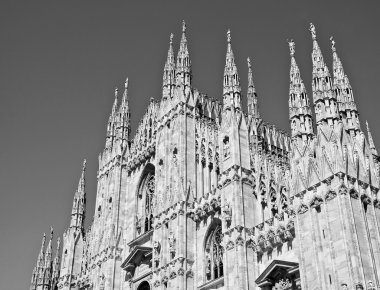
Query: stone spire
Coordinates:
[370,141]
[111,121]
[79,202]
[346,103]
[38,272]
[183,69]
[114,106]
[231,81]
[56,264]
[300,115]
[168,81]
[324,98]
[41,255]
[252,103]
[48,254]
[124,125]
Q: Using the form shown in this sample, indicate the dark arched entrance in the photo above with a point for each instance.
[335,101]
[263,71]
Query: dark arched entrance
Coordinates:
[144,286]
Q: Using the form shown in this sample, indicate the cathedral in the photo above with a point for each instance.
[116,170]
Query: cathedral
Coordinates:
[207,195]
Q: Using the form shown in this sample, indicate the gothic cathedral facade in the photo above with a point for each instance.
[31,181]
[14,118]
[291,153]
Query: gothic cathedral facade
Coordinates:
[207,195]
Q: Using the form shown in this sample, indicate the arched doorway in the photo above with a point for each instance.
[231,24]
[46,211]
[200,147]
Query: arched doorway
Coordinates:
[144,286]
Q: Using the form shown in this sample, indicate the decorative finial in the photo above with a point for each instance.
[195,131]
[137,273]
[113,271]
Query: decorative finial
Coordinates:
[51,232]
[249,62]
[313,32]
[183,26]
[43,239]
[84,165]
[126,83]
[116,92]
[229,36]
[332,44]
[171,38]
[292,47]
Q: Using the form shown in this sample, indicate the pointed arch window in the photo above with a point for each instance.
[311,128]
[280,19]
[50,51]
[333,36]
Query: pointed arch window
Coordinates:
[214,252]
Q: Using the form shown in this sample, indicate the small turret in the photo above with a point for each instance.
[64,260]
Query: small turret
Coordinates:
[253,108]
[325,103]
[370,140]
[168,79]
[183,69]
[231,81]
[346,103]
[79,202]
[300,115]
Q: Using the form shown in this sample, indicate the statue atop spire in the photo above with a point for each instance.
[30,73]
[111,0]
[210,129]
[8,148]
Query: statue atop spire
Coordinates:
[292,47]
[300,116]
[168,79]
[231,81]
[183,26]
[325,112]
[332,44]
[183,69]
[313,31]
[114,107]
[125,94]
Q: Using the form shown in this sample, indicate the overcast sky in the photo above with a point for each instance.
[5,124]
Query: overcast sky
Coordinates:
[60,62]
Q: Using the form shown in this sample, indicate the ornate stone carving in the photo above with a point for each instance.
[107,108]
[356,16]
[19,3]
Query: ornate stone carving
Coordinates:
[371,285]
[239,241]
[230,245]
[283,284]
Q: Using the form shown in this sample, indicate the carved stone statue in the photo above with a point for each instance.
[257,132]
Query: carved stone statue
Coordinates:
[172,241]
[227,212]
[157,249]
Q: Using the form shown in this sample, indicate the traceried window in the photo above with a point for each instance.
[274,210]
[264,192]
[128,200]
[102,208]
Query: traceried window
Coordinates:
[214,253]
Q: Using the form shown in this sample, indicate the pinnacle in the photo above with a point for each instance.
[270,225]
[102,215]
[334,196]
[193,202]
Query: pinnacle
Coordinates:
[251,93]
[81,183]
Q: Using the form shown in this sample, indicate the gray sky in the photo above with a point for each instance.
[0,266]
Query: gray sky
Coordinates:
[60,62]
